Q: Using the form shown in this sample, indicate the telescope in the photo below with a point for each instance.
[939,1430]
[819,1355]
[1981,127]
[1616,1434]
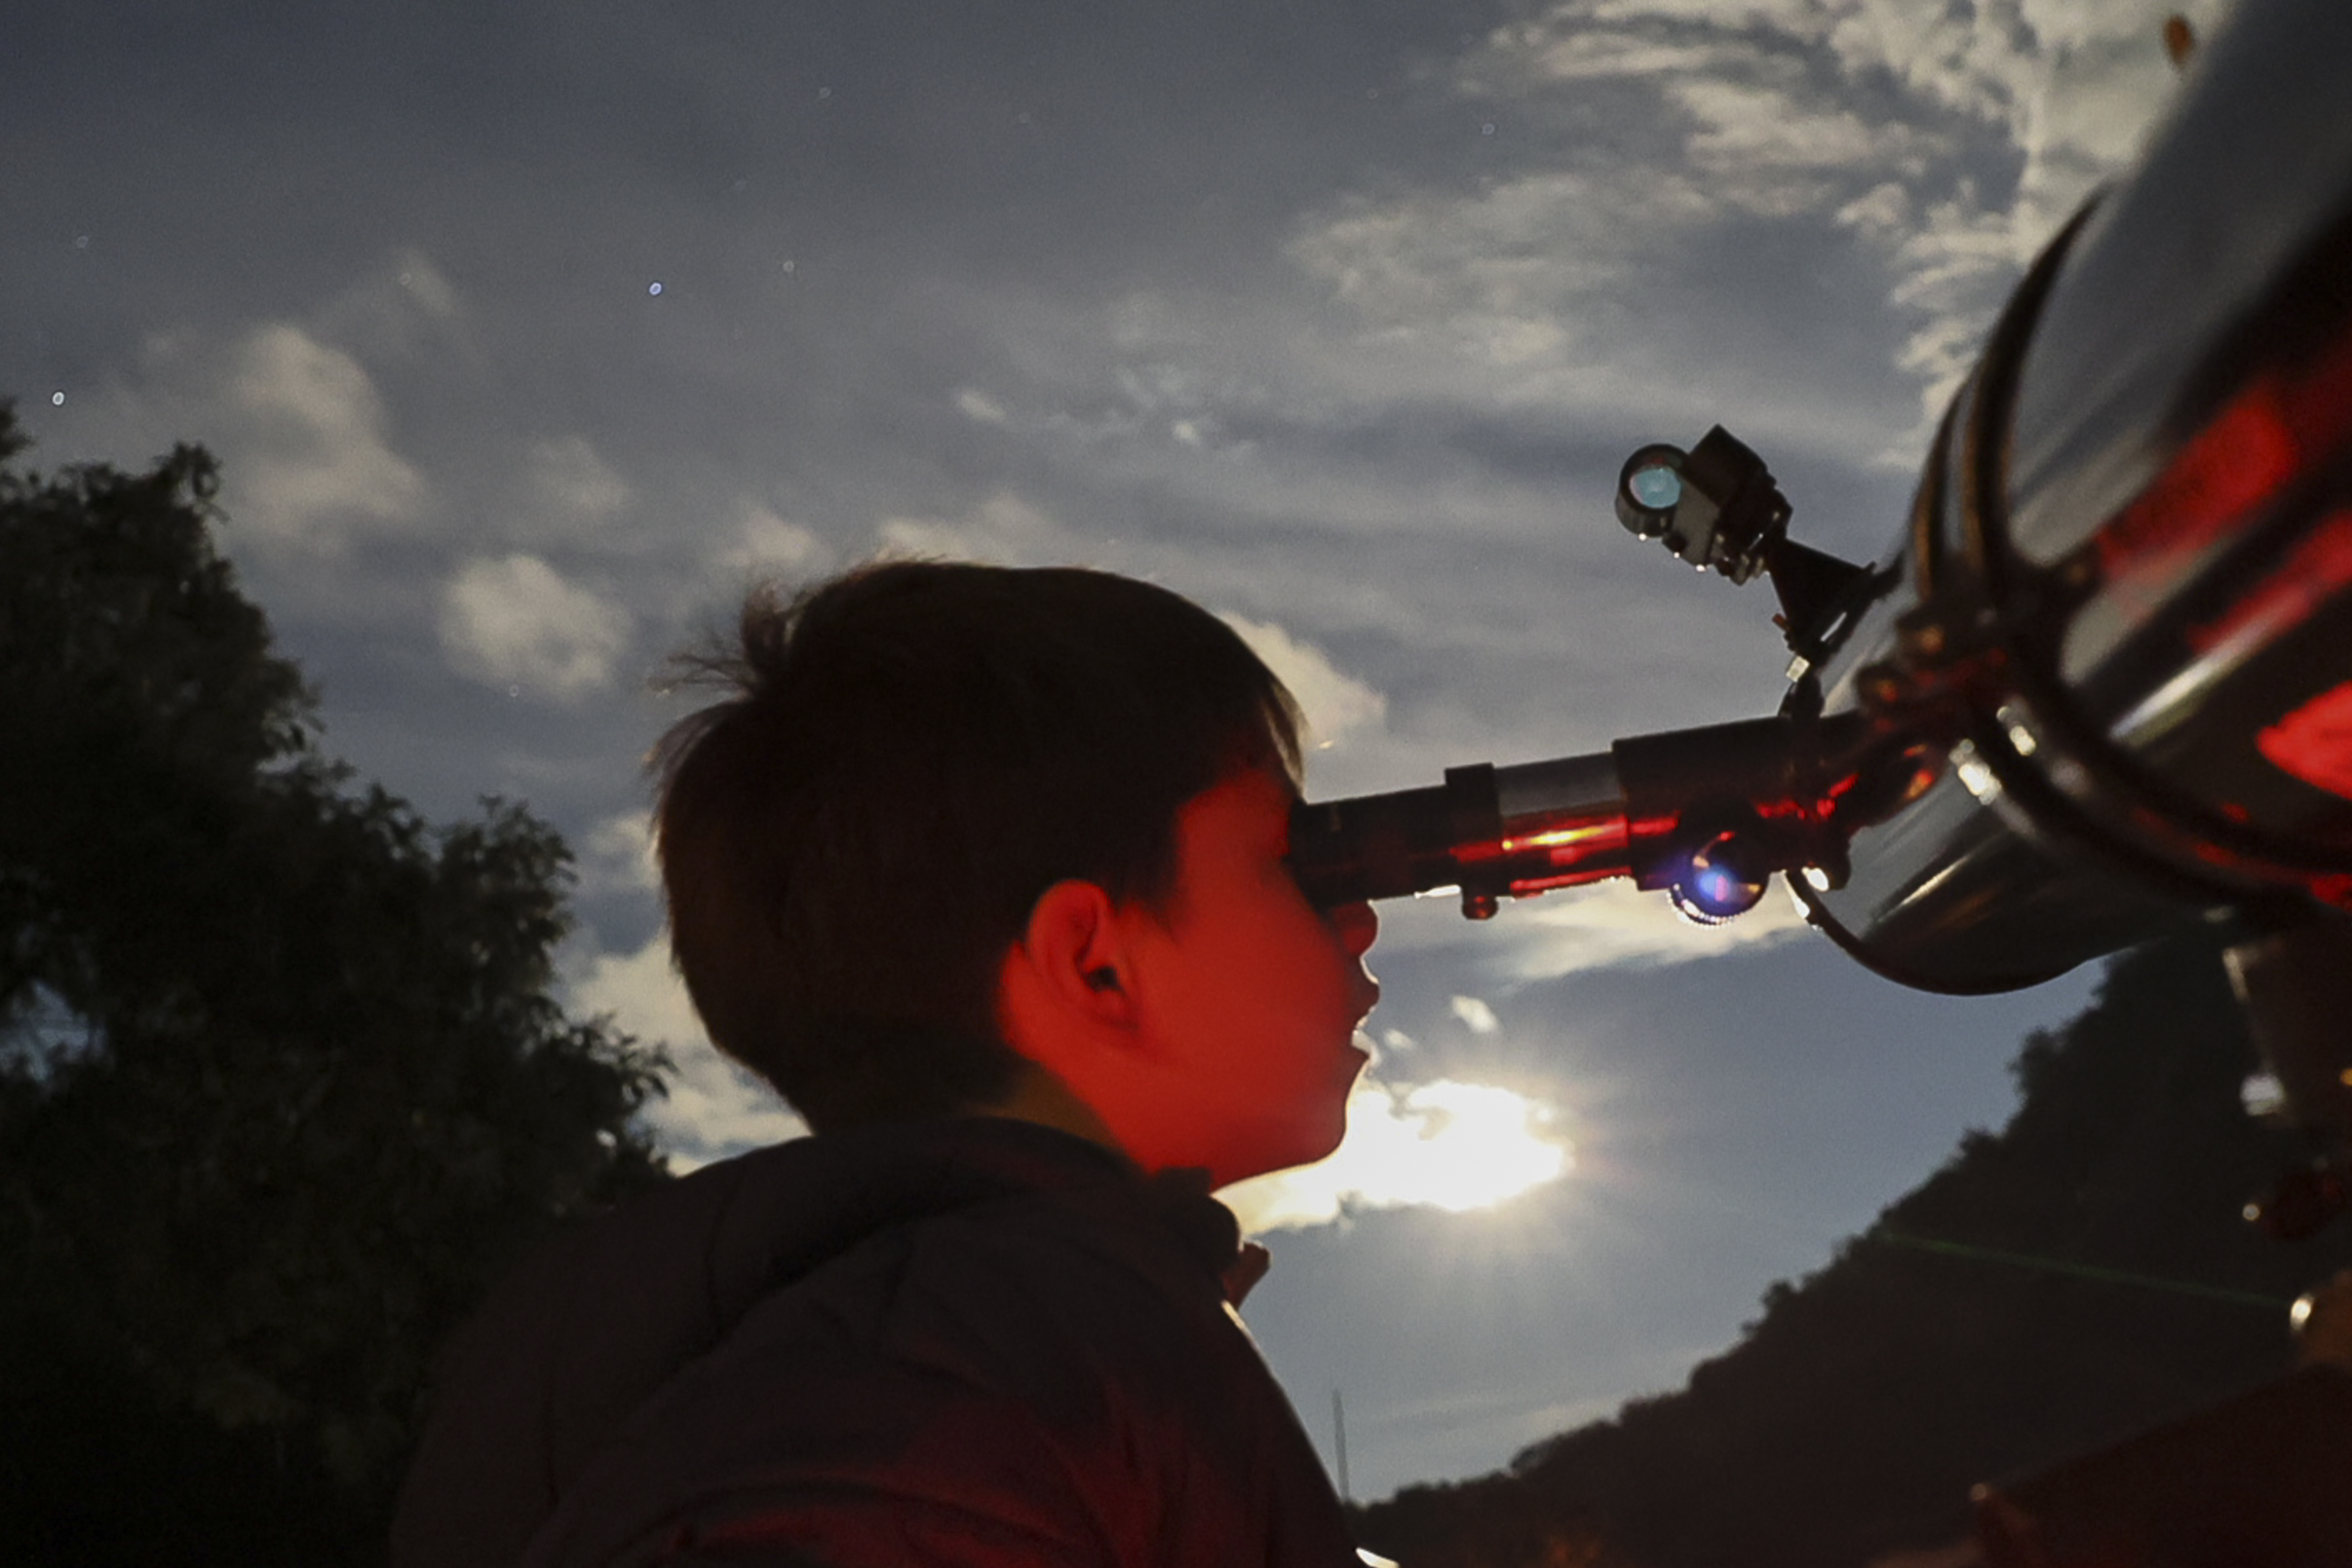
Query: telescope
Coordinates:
[2099,685]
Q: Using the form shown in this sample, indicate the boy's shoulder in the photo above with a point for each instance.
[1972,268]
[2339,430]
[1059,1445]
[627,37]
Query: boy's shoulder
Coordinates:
[825,1313]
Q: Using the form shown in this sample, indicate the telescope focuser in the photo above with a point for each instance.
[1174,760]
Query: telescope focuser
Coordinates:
[1706,815]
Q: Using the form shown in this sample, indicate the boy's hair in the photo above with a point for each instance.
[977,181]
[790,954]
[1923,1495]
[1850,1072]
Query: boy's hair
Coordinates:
[909,754]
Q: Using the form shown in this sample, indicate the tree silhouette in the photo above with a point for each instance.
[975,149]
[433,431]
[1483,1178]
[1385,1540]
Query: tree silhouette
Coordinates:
[282,1086]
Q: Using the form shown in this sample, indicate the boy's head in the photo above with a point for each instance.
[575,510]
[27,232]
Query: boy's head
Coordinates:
[911,756]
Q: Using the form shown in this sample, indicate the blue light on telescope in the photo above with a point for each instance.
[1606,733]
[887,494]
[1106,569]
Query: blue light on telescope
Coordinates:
[1720,892]
[1716,888]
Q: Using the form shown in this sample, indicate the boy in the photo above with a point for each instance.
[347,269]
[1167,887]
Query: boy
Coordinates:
[984,870]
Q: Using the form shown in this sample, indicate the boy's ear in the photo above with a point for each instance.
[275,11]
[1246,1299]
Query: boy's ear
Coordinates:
[1072,959]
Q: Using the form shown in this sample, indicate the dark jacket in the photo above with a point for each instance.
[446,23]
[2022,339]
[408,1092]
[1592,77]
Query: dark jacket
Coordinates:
[975,1341]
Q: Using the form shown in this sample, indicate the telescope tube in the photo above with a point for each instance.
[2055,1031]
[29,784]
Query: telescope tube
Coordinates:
[2123,607]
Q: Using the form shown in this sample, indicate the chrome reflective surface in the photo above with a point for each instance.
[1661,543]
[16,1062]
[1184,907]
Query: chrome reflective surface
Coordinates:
[2137,527]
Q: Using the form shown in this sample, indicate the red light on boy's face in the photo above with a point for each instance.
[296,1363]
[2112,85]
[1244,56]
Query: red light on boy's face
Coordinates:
[1249,994]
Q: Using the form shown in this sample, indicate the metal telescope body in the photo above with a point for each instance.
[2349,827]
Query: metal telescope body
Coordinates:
[2100,686]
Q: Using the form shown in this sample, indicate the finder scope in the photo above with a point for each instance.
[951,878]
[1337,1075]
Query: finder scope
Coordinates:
[1716,505]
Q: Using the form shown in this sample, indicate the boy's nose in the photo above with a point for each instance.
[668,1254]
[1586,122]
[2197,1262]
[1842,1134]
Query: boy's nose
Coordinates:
[1357,926]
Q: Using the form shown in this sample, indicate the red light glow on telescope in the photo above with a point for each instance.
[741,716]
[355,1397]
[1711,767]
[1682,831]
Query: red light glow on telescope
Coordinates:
[2314,743]
[2315,571]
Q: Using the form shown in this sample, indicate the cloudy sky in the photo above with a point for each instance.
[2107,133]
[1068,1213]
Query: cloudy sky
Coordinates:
[530,333]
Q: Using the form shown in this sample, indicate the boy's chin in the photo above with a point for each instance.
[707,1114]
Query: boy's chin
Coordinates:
[1308,1134]
[1326,1139]
[1309,1147]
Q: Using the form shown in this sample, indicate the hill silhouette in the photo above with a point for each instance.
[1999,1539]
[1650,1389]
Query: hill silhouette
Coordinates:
[2076,1276]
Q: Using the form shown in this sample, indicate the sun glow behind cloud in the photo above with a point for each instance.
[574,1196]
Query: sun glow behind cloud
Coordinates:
[1444,1144]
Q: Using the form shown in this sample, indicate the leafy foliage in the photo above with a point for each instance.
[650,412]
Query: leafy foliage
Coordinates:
[282,1086]
[2080,1275]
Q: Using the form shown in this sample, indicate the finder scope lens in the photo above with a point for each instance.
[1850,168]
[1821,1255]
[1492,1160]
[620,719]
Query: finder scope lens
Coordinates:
[1649,488]
[1656,487]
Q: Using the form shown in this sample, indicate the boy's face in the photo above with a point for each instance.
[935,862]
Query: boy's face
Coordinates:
[1249,994]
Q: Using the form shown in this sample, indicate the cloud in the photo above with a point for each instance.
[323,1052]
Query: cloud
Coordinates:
[616,855]
[311,465]
[1952,265]
[1800,17]
[570,484]
[1975,57]
[714,1108]
[2074,85]
[401,307]
[516,622]
[1004,530]
[2108,83]
[1336,705]
[1476,1015]
[1949,140]
[1445,1144]
[299,421]
[643,994]
[717,1109]
[981,408]
[1550,50]
[1515,276]
[1777,153]
[424,282]
[767,545]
